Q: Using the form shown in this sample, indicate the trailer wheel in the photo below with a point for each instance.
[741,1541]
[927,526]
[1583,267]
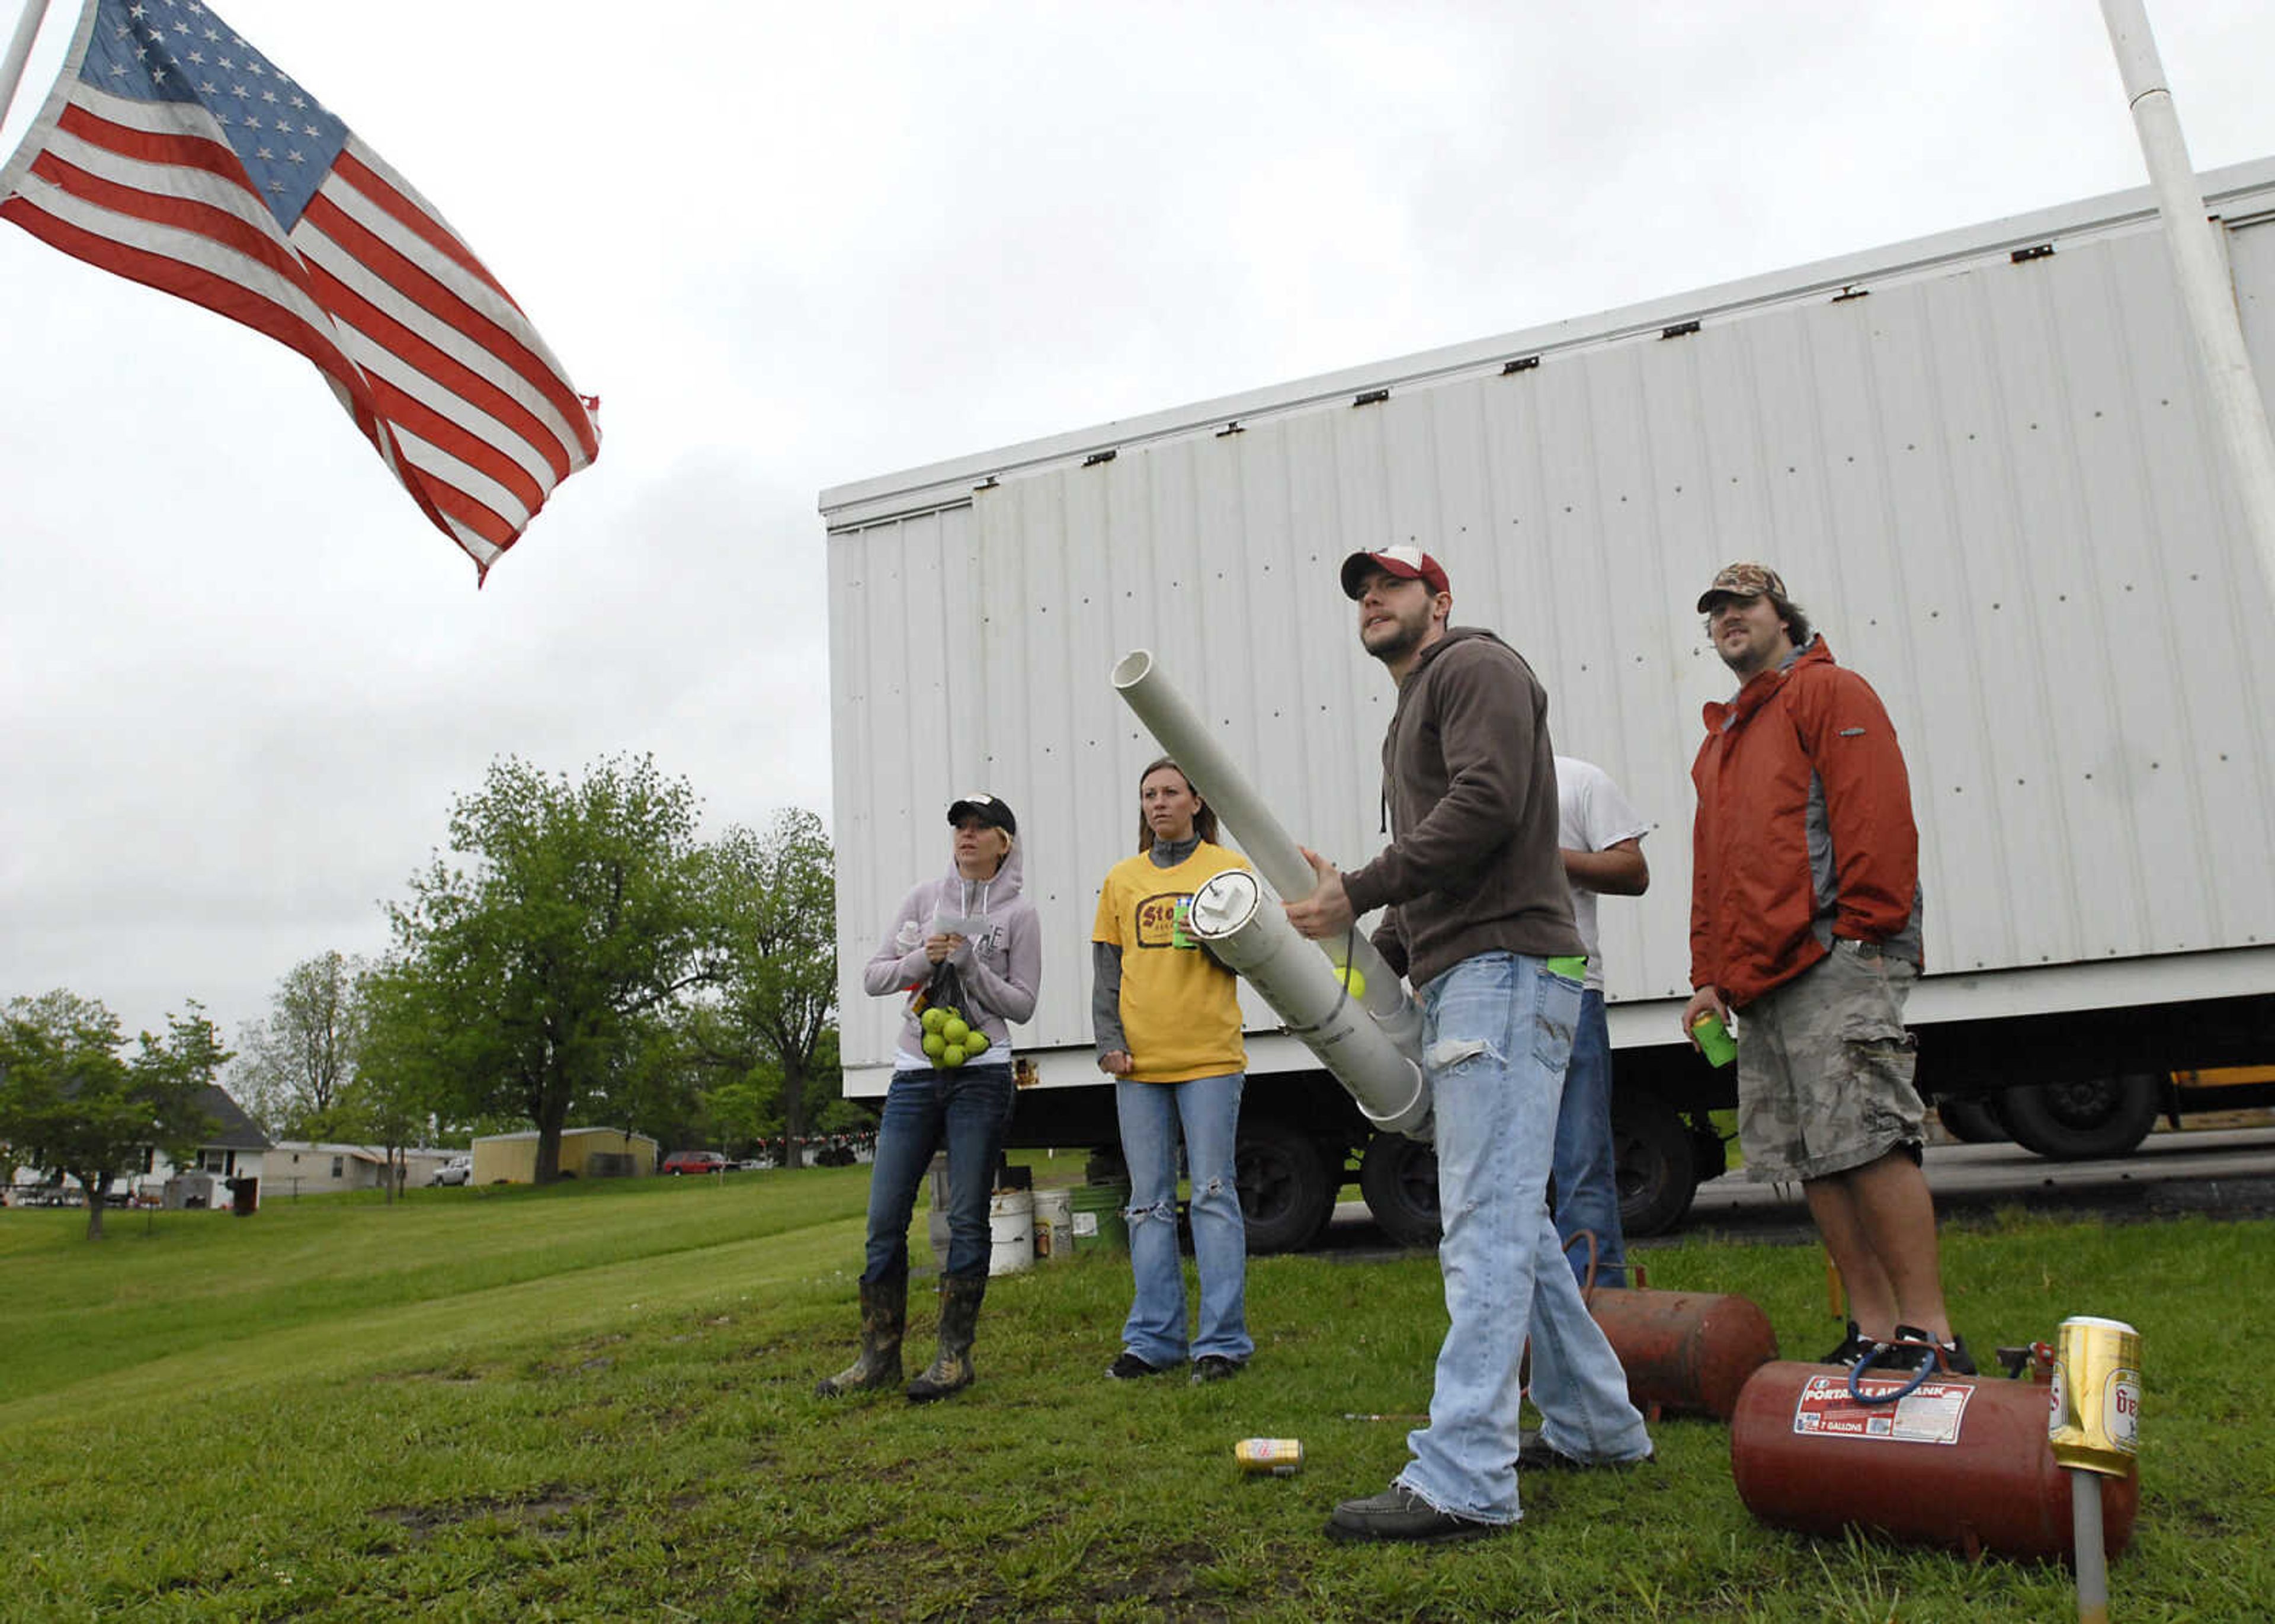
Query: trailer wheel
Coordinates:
[1399,1178]
[2085,1118]
[1971,1120]
[1658,1163]
[1286,1193]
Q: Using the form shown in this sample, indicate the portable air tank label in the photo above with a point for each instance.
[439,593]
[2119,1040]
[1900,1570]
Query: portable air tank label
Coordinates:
[1929,1414]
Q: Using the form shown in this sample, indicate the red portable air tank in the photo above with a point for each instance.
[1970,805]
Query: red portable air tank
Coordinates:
[1962,1462]
[1685,1352]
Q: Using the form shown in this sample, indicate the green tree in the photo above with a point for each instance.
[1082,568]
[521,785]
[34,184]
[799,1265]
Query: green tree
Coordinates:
[294,1067]
[529,955]
[71,1104]
[768,1018]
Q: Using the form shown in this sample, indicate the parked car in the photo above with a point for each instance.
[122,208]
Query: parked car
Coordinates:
[457,1170]
[694,1161]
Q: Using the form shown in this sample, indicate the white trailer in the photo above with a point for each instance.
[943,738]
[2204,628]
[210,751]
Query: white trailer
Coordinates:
[1983,462]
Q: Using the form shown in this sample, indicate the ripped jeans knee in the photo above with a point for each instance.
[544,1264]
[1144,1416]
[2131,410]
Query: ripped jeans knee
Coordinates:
[1160,1211]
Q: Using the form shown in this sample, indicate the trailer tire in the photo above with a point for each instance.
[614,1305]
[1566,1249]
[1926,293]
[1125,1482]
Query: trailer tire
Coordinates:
[1399,1178]
[1658,1163]
[2083,1118]
[1972,1120]
[1286,1192]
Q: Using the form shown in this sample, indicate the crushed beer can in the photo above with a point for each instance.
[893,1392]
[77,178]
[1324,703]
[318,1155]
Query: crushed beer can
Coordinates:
[2093,1418]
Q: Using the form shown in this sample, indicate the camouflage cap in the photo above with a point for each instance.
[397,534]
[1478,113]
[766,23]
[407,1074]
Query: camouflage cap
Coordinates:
[1743,581]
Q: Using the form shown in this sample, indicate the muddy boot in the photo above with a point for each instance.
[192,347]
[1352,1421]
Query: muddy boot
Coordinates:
[950,1371]
[884,1316]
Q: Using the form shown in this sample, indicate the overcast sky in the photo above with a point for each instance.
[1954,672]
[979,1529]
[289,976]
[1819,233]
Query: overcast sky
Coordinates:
[792,246]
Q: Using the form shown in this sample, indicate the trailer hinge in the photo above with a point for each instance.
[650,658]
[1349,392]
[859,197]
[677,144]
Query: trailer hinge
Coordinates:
[1096,458]
[1681,330]
[1372,397]
[987,484]
[1849,290]
[1522,363]
[1232,427]
[2043,250]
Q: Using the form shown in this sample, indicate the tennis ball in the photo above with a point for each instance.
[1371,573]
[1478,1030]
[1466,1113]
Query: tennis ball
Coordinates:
[975,1042]
[1353,978]
[934,1018]
[956,1033]
[934,1043]
[952,1056]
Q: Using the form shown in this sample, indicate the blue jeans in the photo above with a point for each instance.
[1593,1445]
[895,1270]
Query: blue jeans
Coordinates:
[1496,1032]
[1208,1109]
[1586,1169]
[968,1110]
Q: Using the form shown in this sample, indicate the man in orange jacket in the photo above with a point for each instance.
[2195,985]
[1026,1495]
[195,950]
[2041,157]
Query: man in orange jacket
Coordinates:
[1805,918]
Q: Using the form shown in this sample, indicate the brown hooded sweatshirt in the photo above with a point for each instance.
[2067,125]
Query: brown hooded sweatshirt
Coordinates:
[1469,779]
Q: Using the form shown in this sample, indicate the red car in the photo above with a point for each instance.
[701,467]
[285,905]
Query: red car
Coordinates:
[694,1161]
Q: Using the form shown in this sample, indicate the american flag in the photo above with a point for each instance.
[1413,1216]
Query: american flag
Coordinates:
[174,153]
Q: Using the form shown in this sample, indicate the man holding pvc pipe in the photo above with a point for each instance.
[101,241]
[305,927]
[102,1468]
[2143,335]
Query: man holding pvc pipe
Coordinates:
[1479,919]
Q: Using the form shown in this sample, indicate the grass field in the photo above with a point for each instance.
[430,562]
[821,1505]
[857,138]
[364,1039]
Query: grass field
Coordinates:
[595,1402]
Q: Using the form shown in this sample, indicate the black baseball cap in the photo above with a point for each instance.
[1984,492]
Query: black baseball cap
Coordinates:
[987,808]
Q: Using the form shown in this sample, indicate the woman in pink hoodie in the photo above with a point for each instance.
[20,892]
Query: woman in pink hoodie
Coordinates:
[974,919]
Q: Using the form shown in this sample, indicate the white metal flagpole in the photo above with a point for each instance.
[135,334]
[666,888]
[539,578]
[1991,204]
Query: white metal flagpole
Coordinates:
[19,52]
[2206,290]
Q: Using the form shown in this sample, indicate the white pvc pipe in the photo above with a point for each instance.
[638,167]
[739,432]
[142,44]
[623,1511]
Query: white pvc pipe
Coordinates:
[1157,703]
[2239,410]
[19,52]
[1250,935]
[2092,1561]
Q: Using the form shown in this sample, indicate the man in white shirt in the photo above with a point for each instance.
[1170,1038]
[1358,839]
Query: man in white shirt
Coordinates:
[1602,841]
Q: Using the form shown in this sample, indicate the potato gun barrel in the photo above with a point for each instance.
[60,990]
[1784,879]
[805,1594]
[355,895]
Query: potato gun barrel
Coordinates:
[1393,1096]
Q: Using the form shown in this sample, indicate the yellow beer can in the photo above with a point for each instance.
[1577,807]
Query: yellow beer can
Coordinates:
[1278,1457]
[2093,1418]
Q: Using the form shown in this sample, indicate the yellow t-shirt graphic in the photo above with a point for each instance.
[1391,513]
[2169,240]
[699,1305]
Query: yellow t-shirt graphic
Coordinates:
[1180,1009]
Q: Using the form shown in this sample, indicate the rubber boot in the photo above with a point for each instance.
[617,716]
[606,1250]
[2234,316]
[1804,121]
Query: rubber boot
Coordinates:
[884,1319]
[950,1371]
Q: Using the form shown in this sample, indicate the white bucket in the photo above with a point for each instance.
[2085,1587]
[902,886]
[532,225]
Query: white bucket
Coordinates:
[1054,1224]
[1012,1226]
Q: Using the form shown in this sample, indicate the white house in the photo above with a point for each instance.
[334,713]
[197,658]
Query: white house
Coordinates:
[307,1167]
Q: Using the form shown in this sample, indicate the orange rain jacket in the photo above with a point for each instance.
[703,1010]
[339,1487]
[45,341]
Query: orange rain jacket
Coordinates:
[1803,831]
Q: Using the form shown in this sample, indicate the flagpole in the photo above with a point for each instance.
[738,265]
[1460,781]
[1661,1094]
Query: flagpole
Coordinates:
[19,52]
[2207,292]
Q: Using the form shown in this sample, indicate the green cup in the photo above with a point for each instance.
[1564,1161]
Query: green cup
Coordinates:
[1714,1039]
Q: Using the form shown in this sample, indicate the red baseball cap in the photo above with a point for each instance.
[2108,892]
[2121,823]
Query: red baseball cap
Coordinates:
[1407,563]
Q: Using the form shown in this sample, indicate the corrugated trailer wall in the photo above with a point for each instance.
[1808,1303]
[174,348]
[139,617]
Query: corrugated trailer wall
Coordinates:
[1989,484]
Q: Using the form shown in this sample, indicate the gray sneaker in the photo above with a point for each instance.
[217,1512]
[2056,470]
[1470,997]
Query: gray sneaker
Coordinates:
[1398,1512]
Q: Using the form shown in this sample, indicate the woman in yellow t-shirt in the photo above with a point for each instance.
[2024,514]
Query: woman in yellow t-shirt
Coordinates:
[1166,1020]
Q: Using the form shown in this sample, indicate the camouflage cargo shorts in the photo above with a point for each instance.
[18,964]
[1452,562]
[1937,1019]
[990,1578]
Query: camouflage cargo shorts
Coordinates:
[1824,1069]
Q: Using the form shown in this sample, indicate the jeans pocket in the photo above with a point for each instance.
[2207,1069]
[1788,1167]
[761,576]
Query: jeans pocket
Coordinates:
[1450,1053]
